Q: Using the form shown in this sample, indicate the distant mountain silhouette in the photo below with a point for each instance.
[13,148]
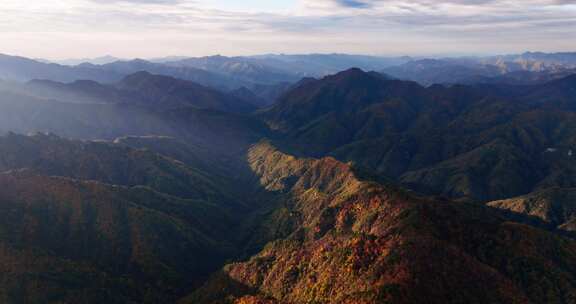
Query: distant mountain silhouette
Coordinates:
[167,92]
[97,60]
[242,68]
[252,72]
[528,68]
[24,69]
[144,89]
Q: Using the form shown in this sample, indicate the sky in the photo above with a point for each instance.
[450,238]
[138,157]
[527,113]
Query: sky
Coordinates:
[58,29]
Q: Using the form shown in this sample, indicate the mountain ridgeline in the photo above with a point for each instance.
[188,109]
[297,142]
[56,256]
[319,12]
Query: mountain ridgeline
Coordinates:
[137,183]
[259,73]
[478,143]
[356,241]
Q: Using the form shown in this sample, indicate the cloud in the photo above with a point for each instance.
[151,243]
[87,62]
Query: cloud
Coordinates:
[370,4]
[200,27]
[163,2]
[353,3]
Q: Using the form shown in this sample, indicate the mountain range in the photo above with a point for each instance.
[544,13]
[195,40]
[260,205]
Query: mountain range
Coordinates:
[527,68]
[289,179]
[230,73]
[471,142]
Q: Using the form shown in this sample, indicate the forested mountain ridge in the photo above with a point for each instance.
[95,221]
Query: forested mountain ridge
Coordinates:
[476,142]
[355,241]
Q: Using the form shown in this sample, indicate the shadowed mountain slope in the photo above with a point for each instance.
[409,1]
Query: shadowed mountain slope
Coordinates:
[66,241]
[475,142]
[107,163]
[97,222]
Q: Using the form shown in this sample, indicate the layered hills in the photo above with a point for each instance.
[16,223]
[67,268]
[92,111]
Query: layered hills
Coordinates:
[143,89]
[338,238]
[107,163]
[191,112]
[95,222]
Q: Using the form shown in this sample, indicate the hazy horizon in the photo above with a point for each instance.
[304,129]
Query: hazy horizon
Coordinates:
[168,56]
[62,29]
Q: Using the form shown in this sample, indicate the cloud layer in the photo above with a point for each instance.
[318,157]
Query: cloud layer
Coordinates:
[128,28]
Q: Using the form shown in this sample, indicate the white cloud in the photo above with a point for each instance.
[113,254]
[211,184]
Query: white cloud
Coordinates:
[130,28]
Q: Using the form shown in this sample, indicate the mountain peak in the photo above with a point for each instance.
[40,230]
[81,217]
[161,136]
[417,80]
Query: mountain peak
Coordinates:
[141,74]
[360,77]
[354,77]
[169,92]
[337,96]
[352,72]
